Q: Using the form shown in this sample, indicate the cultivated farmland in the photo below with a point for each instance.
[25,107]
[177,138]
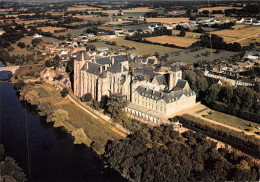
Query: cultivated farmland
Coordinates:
[178,41]
[167,20]
[218,8]
[142,48]
[239,34]
[51,29]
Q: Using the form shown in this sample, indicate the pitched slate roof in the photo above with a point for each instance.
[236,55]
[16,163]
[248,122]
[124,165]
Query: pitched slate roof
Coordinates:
[181,83]
[147,71]
[107,60]
[161,79]
[116,68]
[175,68]
[158,95]
[91,68]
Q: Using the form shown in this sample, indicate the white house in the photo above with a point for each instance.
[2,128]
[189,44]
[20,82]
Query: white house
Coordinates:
[130,18]
[240,20]
[119,30]
[37,36]
[248,21]
[111,36]
[91,35]
[256,23]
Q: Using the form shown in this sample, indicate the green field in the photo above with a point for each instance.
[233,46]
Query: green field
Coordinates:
[104,45]
[231,120]
[204,54]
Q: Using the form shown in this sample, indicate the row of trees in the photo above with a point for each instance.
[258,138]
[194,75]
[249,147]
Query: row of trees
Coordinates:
[161,154]
[239,101]
[156,32]
[217,43]
[244,143]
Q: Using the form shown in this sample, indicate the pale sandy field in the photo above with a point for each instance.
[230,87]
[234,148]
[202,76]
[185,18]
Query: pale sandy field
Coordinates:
[167,20]
[178,41]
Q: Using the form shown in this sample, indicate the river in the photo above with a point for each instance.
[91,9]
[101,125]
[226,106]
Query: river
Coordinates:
[52,154]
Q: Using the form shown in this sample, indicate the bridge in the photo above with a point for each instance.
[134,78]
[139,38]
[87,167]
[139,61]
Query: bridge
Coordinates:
[10,68]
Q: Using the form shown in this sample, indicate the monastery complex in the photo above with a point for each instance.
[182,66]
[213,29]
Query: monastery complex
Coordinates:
[153,90]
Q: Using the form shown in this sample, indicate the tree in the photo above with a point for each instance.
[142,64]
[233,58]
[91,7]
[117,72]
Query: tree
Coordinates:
[58,116]
[212,93]
[21,45]
[36,41]
[32,97]
[115,103]
[10,171]
[156,54]
[182,33]
[95,104]
[86,97]
[19,84]
[70,65]
[64,92]
[56,61]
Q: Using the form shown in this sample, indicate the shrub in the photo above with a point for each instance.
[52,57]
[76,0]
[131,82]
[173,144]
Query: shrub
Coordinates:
[86,97]
[64,92]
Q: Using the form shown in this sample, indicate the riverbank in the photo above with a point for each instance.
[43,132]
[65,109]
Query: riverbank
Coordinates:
[84,128]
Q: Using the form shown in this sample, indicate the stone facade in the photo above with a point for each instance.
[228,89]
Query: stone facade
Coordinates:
[101,76]
[154,92]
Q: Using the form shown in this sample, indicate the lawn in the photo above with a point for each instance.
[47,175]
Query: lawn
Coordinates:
[73,32]
[203,54]
[104,45]
[231,120]
[176,40]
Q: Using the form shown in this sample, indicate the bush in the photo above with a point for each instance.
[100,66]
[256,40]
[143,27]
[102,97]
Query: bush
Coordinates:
[95,104]
[21,45]
[19,85]
[86,97]
[64,92]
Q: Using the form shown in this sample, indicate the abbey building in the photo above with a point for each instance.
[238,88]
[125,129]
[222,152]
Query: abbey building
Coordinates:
[154,91]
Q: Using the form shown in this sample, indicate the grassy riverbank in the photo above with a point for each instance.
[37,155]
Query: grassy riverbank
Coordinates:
[66,114]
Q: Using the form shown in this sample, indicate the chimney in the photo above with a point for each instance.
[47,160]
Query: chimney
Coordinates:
[122,67]
[94,59]
[170,81]
[113,60]
[110,57]
[100,69]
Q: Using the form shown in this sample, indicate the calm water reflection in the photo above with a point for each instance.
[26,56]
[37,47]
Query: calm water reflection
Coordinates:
[52,154]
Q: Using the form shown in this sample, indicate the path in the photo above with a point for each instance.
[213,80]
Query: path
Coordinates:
[192,111]
[247,37]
